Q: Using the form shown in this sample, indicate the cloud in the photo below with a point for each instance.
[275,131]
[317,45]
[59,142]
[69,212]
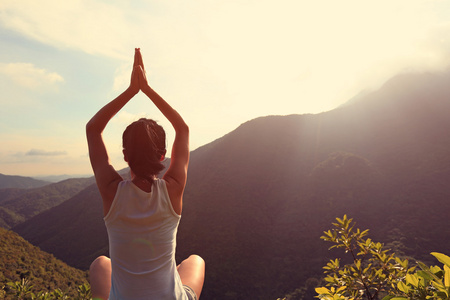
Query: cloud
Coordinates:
[38,152]
[241,44]
[91,26]
[342,47]
[221,63]
[29,76]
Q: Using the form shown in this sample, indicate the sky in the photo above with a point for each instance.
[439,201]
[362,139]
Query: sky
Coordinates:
[218,63]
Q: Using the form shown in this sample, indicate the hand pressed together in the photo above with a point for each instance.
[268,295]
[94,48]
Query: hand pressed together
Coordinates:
[138,79]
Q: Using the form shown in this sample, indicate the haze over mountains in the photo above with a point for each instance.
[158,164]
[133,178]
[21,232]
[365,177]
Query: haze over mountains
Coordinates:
[11,181]
[258,198]
[58,178]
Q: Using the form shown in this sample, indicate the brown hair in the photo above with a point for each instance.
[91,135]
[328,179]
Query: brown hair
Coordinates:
[144,144]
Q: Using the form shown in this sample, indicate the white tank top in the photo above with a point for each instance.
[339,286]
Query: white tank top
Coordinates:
[142,229]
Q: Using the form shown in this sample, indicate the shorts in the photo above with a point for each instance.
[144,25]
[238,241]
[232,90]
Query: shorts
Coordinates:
[190,293]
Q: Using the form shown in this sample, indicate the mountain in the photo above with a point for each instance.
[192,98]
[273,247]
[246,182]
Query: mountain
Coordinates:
[58,178]
[8,181]
[18,205]
[73,231]
[62,229]
[259,198]
[20,259]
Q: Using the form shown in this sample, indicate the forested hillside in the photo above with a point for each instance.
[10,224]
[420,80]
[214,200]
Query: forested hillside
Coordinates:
[18,205]
[258,199]
[20,259]
[74,230]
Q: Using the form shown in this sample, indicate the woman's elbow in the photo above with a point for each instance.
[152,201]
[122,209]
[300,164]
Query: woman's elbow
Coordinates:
[88,128]
[91,128]
[183,129]
[186,127]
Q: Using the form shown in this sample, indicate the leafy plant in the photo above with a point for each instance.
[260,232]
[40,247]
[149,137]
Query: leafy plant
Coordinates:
[84,291]
[374,270]
[428,283]
[43,296]
[377,271]
[22,290]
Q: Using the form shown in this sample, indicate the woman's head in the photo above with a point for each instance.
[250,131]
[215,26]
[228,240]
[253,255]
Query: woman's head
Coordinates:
[144,147]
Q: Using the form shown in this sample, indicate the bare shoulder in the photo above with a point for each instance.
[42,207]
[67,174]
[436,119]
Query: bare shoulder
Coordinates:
[107,182]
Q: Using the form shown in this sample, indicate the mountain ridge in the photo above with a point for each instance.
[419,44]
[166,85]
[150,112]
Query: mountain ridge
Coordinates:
[23,182]
[19,205]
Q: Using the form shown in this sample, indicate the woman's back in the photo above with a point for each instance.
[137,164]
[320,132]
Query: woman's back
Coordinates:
[142,231]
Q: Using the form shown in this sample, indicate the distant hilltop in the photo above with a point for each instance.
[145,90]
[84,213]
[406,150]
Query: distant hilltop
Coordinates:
[58,178]
[21,182]
[28,182]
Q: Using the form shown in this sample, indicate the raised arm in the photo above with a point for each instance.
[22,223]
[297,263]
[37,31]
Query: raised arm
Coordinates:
[176,175]
[106,177]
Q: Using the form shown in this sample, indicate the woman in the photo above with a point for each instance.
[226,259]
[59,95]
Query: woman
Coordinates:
[142,214]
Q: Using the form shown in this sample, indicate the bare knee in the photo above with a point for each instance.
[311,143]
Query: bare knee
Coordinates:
[100,262]
[194,258]
[192,273]
[194,263]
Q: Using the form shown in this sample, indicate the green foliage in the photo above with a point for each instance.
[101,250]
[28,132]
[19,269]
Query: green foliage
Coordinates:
[22,290]
[428,283]
[84,291]
[373,271]
[22,264]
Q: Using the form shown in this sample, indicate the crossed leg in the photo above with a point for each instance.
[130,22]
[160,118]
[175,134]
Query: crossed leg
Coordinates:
[192,273]
[100,278]
[191,270]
